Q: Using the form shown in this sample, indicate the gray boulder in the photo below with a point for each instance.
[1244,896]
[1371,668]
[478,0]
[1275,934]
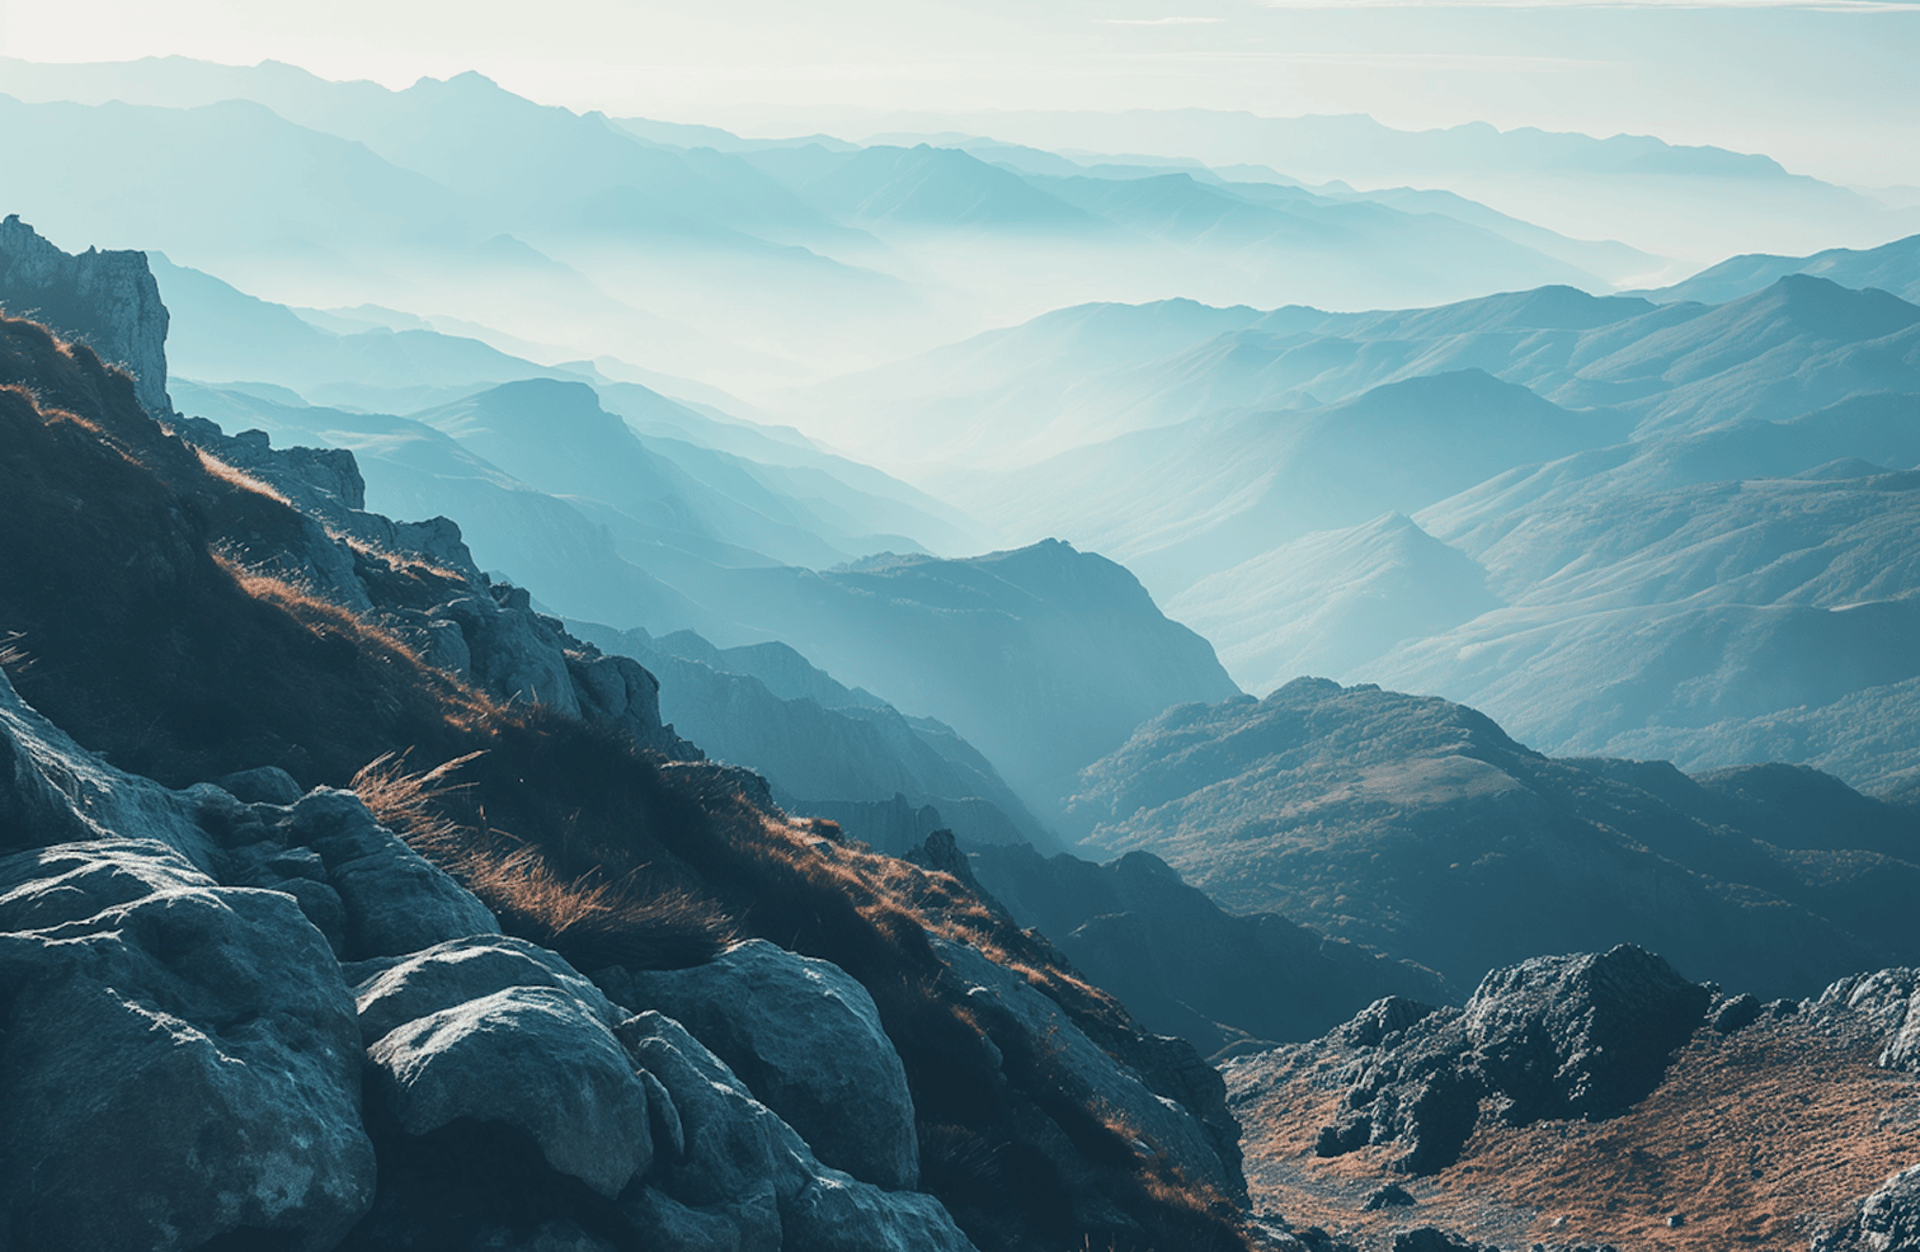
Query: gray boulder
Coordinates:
[178,1060]
[533,1058]
[396,901]
[808,1041]
[748,1182]
[393,991]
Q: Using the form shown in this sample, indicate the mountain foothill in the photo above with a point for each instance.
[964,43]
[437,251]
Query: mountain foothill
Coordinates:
[659,688]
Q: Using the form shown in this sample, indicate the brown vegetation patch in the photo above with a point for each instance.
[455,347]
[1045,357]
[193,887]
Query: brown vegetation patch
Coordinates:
[1756,1140]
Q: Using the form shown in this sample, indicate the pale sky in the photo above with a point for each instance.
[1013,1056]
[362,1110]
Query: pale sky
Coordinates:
[1829,87]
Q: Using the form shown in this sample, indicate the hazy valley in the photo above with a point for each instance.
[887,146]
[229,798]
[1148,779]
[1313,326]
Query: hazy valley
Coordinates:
[1031,679]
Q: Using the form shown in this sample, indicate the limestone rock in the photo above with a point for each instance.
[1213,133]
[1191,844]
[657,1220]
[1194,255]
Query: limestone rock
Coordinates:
[396,900]
[748,1182]
[393,992]
[178,1060]
[808,1041]
[533,1058]
[106,300]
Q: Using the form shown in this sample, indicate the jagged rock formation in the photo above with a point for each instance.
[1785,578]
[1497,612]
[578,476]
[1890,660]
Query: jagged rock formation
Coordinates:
[1888,1220]
[1554,1037]
[1182,964]
[106,300]
[1419,827]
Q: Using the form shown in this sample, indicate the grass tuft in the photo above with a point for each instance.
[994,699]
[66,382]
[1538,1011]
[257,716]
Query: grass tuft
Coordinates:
[591,919]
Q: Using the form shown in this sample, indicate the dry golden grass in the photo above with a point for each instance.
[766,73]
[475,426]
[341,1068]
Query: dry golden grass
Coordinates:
[1755,1139]
[409,562]
[518,879]
[462,705]
[237,477]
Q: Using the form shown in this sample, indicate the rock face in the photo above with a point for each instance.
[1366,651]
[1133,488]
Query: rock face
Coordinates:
[106,300]
[745,1179]
[1888,1220]
[178,1059]
[808,1040]
[1554,1037]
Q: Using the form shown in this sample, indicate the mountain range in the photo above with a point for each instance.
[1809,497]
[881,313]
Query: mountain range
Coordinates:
[708,255]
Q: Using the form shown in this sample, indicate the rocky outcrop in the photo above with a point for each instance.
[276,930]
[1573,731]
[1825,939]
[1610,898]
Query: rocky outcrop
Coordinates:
[487,635]
[106,300]
[1882,1007]
[1887,1221]
[809,1043]
[1551,1038]
[178,1059]
[190,982]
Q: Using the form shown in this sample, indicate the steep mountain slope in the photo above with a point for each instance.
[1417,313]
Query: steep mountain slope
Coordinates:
[235,640]
[1648,598]
[1043,657]
[1418,827]
[222,335]
[1800,344]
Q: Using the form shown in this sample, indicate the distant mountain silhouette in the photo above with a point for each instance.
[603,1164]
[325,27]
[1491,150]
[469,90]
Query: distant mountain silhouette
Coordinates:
[1893,267]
